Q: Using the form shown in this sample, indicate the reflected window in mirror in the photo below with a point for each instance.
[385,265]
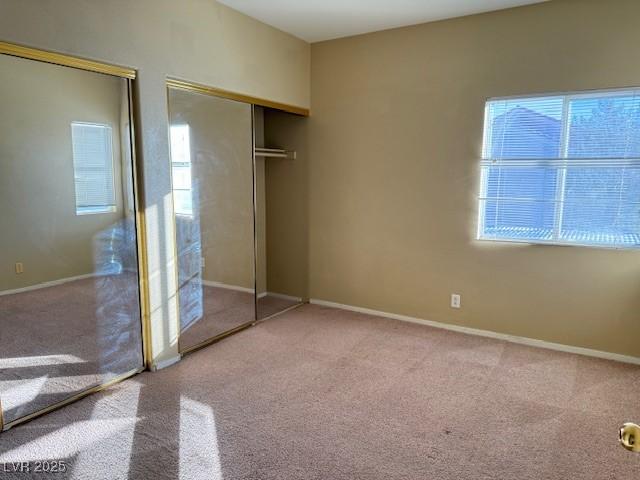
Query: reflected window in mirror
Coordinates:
[181,169]
[93,168]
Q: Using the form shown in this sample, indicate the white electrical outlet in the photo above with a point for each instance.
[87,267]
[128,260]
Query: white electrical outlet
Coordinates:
[202,263]
[19,267]
[455,300]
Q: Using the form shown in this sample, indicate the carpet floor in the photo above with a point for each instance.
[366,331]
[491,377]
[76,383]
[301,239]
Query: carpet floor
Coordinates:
[319,393]
[60,340]
[224,309]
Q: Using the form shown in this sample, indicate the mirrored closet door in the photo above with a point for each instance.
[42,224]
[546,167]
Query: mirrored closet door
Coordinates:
[212,177]
[70,317]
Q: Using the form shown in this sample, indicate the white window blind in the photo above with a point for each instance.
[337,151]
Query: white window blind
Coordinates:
[562,169]
[181,169]
[93,168]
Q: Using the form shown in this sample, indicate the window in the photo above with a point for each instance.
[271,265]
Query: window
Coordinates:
[562,169]
[181,169]
[93,168]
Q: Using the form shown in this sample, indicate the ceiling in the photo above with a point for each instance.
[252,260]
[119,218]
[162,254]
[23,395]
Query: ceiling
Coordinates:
[317,20]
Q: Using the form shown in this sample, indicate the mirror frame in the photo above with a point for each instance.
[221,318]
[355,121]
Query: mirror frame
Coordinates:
[141,244]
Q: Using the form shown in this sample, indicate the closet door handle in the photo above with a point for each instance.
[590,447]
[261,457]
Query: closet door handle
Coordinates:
[630,437]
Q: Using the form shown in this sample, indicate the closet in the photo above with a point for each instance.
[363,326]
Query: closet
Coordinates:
[238,209]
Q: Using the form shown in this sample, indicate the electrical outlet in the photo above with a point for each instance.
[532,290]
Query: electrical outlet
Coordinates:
[455,300]
[202,263]
[19,267]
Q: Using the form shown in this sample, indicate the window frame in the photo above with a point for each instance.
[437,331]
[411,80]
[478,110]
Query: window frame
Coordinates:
[96,209]
[567,96]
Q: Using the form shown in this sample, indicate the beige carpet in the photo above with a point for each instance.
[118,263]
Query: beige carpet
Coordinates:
[271,304]
[224,309]
[325,394]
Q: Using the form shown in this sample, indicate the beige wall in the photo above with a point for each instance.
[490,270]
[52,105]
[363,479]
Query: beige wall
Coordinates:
[198,40]
[287,205]
[396,133]
[39,224]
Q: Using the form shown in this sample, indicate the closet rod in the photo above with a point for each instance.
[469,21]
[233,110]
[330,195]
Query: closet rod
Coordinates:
[274,153]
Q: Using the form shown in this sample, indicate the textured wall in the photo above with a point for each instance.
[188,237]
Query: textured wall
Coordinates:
[396,135]
[287,205]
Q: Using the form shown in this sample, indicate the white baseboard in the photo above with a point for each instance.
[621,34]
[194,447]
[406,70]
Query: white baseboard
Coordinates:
[52,283]
[165,363]
[263,294]
[283,296]
[238,288]
[532,342]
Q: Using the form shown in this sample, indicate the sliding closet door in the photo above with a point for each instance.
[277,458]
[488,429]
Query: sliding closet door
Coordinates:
[212,175]
[69,287]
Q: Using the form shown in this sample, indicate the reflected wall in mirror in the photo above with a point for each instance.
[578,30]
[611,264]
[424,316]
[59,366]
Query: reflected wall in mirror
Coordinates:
[69,287]
[212,177]
[281,242]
